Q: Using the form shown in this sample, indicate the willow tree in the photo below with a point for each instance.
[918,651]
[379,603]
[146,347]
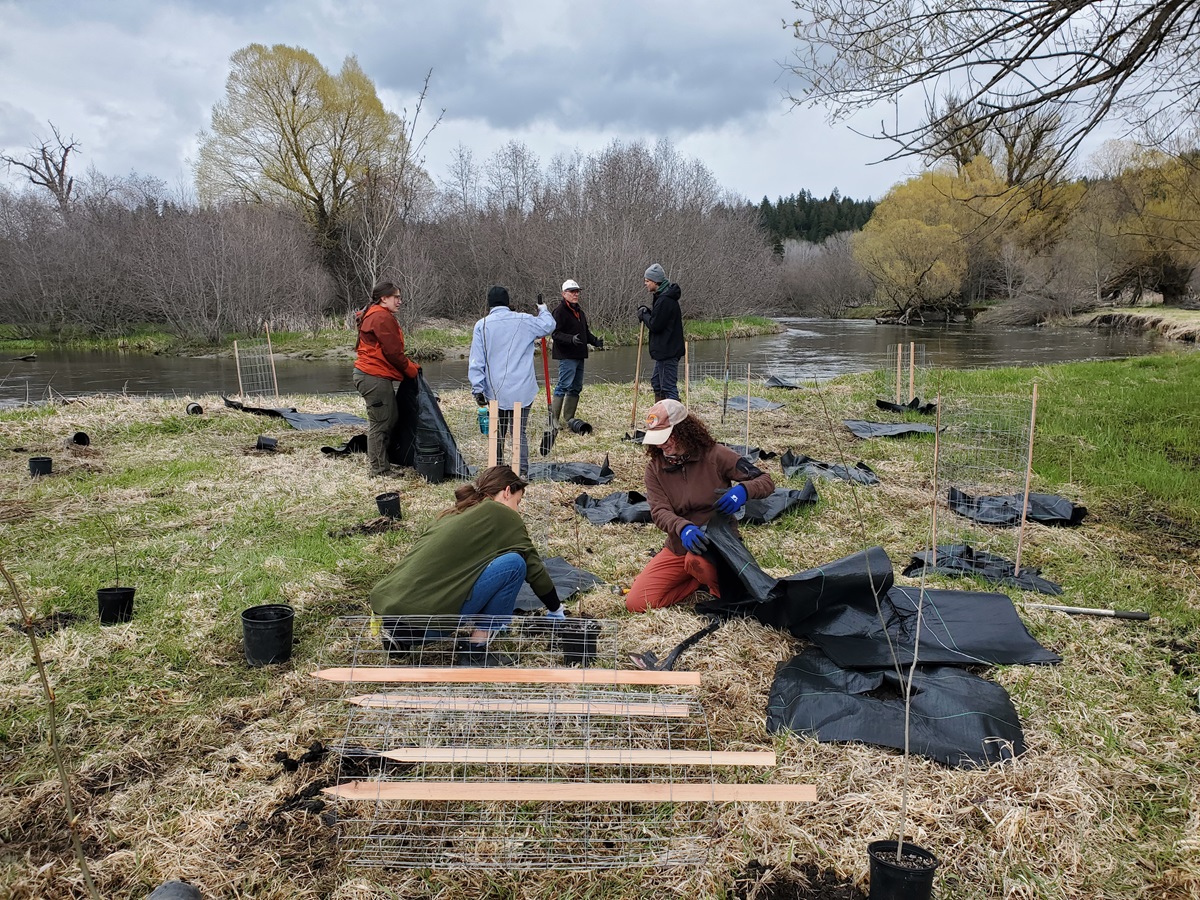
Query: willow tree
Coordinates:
[288,130]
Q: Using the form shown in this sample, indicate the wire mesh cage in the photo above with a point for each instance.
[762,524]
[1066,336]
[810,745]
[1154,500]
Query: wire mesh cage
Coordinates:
[908,372]
[256,371]
[564,758]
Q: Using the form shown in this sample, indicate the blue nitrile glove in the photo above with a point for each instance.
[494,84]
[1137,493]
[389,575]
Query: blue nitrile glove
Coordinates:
[693,539]
[560,614]
[732,500]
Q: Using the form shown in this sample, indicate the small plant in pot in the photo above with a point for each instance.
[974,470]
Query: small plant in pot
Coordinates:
[116,602]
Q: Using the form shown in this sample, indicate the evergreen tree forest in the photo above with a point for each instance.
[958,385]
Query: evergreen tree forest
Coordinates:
[804,217]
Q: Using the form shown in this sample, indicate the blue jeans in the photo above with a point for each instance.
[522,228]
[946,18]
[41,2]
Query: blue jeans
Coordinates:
[665,380]
[570,377]
[495,591]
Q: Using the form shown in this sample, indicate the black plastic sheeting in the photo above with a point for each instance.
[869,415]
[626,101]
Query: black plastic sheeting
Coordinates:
[423,427]
[636,438]
[780,501]
[756,403]
[627,507]
[298,420]
[356,444]
[776,382]
[1047,509]
[572,472]
[960,560]
[861,428]
[754,454]
[567,579]
[795,463]
[957,718]
[913,405]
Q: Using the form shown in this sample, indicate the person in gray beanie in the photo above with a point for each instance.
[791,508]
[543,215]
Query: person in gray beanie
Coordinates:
[500,363]
[664,320]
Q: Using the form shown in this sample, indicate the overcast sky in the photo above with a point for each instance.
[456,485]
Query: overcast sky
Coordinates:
[134,81]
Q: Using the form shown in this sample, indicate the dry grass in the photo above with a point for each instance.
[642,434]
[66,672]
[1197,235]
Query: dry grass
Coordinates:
[176,743]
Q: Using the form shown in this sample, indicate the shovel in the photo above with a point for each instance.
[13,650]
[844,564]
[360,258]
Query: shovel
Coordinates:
[551,432]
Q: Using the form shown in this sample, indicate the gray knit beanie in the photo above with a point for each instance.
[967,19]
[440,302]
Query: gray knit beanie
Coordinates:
[656,274]
[497,296]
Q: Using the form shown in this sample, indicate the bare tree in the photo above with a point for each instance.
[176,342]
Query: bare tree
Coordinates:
[45,165]
[1086,60]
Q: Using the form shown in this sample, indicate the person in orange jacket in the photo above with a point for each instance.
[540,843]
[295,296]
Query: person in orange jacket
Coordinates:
[379,362]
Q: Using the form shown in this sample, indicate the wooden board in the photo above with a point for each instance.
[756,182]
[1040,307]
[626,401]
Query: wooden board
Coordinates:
[625,756]
[633,708]
[468,675]
[587,792]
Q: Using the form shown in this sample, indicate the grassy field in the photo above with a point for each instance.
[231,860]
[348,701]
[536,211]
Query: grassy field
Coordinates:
[176,747]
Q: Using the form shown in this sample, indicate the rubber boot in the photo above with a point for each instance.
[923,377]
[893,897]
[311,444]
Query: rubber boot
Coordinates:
[556,408]
[569,407]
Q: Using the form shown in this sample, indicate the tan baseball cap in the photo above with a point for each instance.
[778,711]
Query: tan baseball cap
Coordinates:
[661,420]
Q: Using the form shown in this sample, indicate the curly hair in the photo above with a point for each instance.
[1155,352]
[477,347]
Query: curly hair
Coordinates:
[692,435]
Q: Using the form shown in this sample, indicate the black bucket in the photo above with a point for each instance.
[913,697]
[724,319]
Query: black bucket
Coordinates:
[430,463]
[577,637]
[39,466]
[80,439]
[266,443]
[195,409]
[116,604]
[578,426]
[389,504]
[267,633]
[890,881]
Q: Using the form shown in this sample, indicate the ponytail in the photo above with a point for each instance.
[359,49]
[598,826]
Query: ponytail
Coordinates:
[489,483]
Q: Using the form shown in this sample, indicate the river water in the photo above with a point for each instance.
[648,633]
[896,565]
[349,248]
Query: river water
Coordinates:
[808,349]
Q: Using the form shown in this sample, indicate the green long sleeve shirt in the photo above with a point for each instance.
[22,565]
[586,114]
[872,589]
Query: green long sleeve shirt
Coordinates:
[437,575]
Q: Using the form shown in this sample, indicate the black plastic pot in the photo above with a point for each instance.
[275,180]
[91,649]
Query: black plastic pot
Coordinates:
[40,465]
[80,439]
[267,633]
[578,426]
[892,881]
[116,604]
[430,463]
[577,637]
[389,504]
[195,409]
[266,443]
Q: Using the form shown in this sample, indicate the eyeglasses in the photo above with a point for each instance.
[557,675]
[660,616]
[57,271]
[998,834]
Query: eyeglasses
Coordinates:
[573,290]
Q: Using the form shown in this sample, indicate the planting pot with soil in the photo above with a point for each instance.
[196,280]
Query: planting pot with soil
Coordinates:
[907,875]
[115,604]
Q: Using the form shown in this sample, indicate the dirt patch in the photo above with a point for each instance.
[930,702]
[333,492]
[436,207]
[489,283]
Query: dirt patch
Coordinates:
[806,882]
[49,625]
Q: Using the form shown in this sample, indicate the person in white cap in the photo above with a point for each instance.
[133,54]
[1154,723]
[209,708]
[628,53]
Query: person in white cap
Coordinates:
[689,477]
[572,337]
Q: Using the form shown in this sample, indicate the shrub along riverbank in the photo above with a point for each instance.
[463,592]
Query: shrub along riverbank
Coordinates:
[175,745]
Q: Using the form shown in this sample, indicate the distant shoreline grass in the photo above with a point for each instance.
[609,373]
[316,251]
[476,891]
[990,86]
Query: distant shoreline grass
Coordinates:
[175,745]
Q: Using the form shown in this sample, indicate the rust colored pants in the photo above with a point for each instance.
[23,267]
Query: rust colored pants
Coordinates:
[668,579]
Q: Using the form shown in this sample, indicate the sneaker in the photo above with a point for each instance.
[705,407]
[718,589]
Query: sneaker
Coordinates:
[483,657]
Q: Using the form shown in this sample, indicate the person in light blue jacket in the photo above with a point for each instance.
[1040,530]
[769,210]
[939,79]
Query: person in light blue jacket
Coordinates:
[501,361]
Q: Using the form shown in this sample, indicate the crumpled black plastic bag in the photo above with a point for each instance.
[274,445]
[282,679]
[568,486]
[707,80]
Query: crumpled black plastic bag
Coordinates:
[794,463]
[751,453]
[776,382]
[957,718]
[1047,509]
[959,560]
[861,428]
[356,444]
[627,507]
[778,502]
[913,405]
[422,425]
[571,472]
[568,581]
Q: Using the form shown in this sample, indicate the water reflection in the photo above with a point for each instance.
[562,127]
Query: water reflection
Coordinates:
[807,349]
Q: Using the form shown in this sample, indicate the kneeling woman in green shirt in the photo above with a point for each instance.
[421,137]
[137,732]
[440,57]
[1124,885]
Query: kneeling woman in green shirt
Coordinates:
[471,562]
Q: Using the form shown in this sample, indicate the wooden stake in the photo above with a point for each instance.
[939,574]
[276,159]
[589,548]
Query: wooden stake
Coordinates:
[493,433]
[687,377]
[899,364]
[237,361]
[937,433]
[747,443]
[633,709]
[912,371]
[1028,476]
[271,358]
[637,378]
[518,436]
[485,675]
[577,792]
[580,757]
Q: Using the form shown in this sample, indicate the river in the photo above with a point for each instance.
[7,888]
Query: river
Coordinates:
[807,349]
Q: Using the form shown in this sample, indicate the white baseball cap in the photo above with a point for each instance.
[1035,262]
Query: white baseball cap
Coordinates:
[571,285]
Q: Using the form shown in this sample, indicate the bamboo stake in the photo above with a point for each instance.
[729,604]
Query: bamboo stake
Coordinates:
[596,756]
[687,377]
[237,362]
[747,441]
[271,359]
[1089,611]
[637,378]
[937,433]
[573,792]
[631,708]
[472,675]
[899,364]
[912,370]
[725,378]
[493,433]
[1028,476]
[518,435]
